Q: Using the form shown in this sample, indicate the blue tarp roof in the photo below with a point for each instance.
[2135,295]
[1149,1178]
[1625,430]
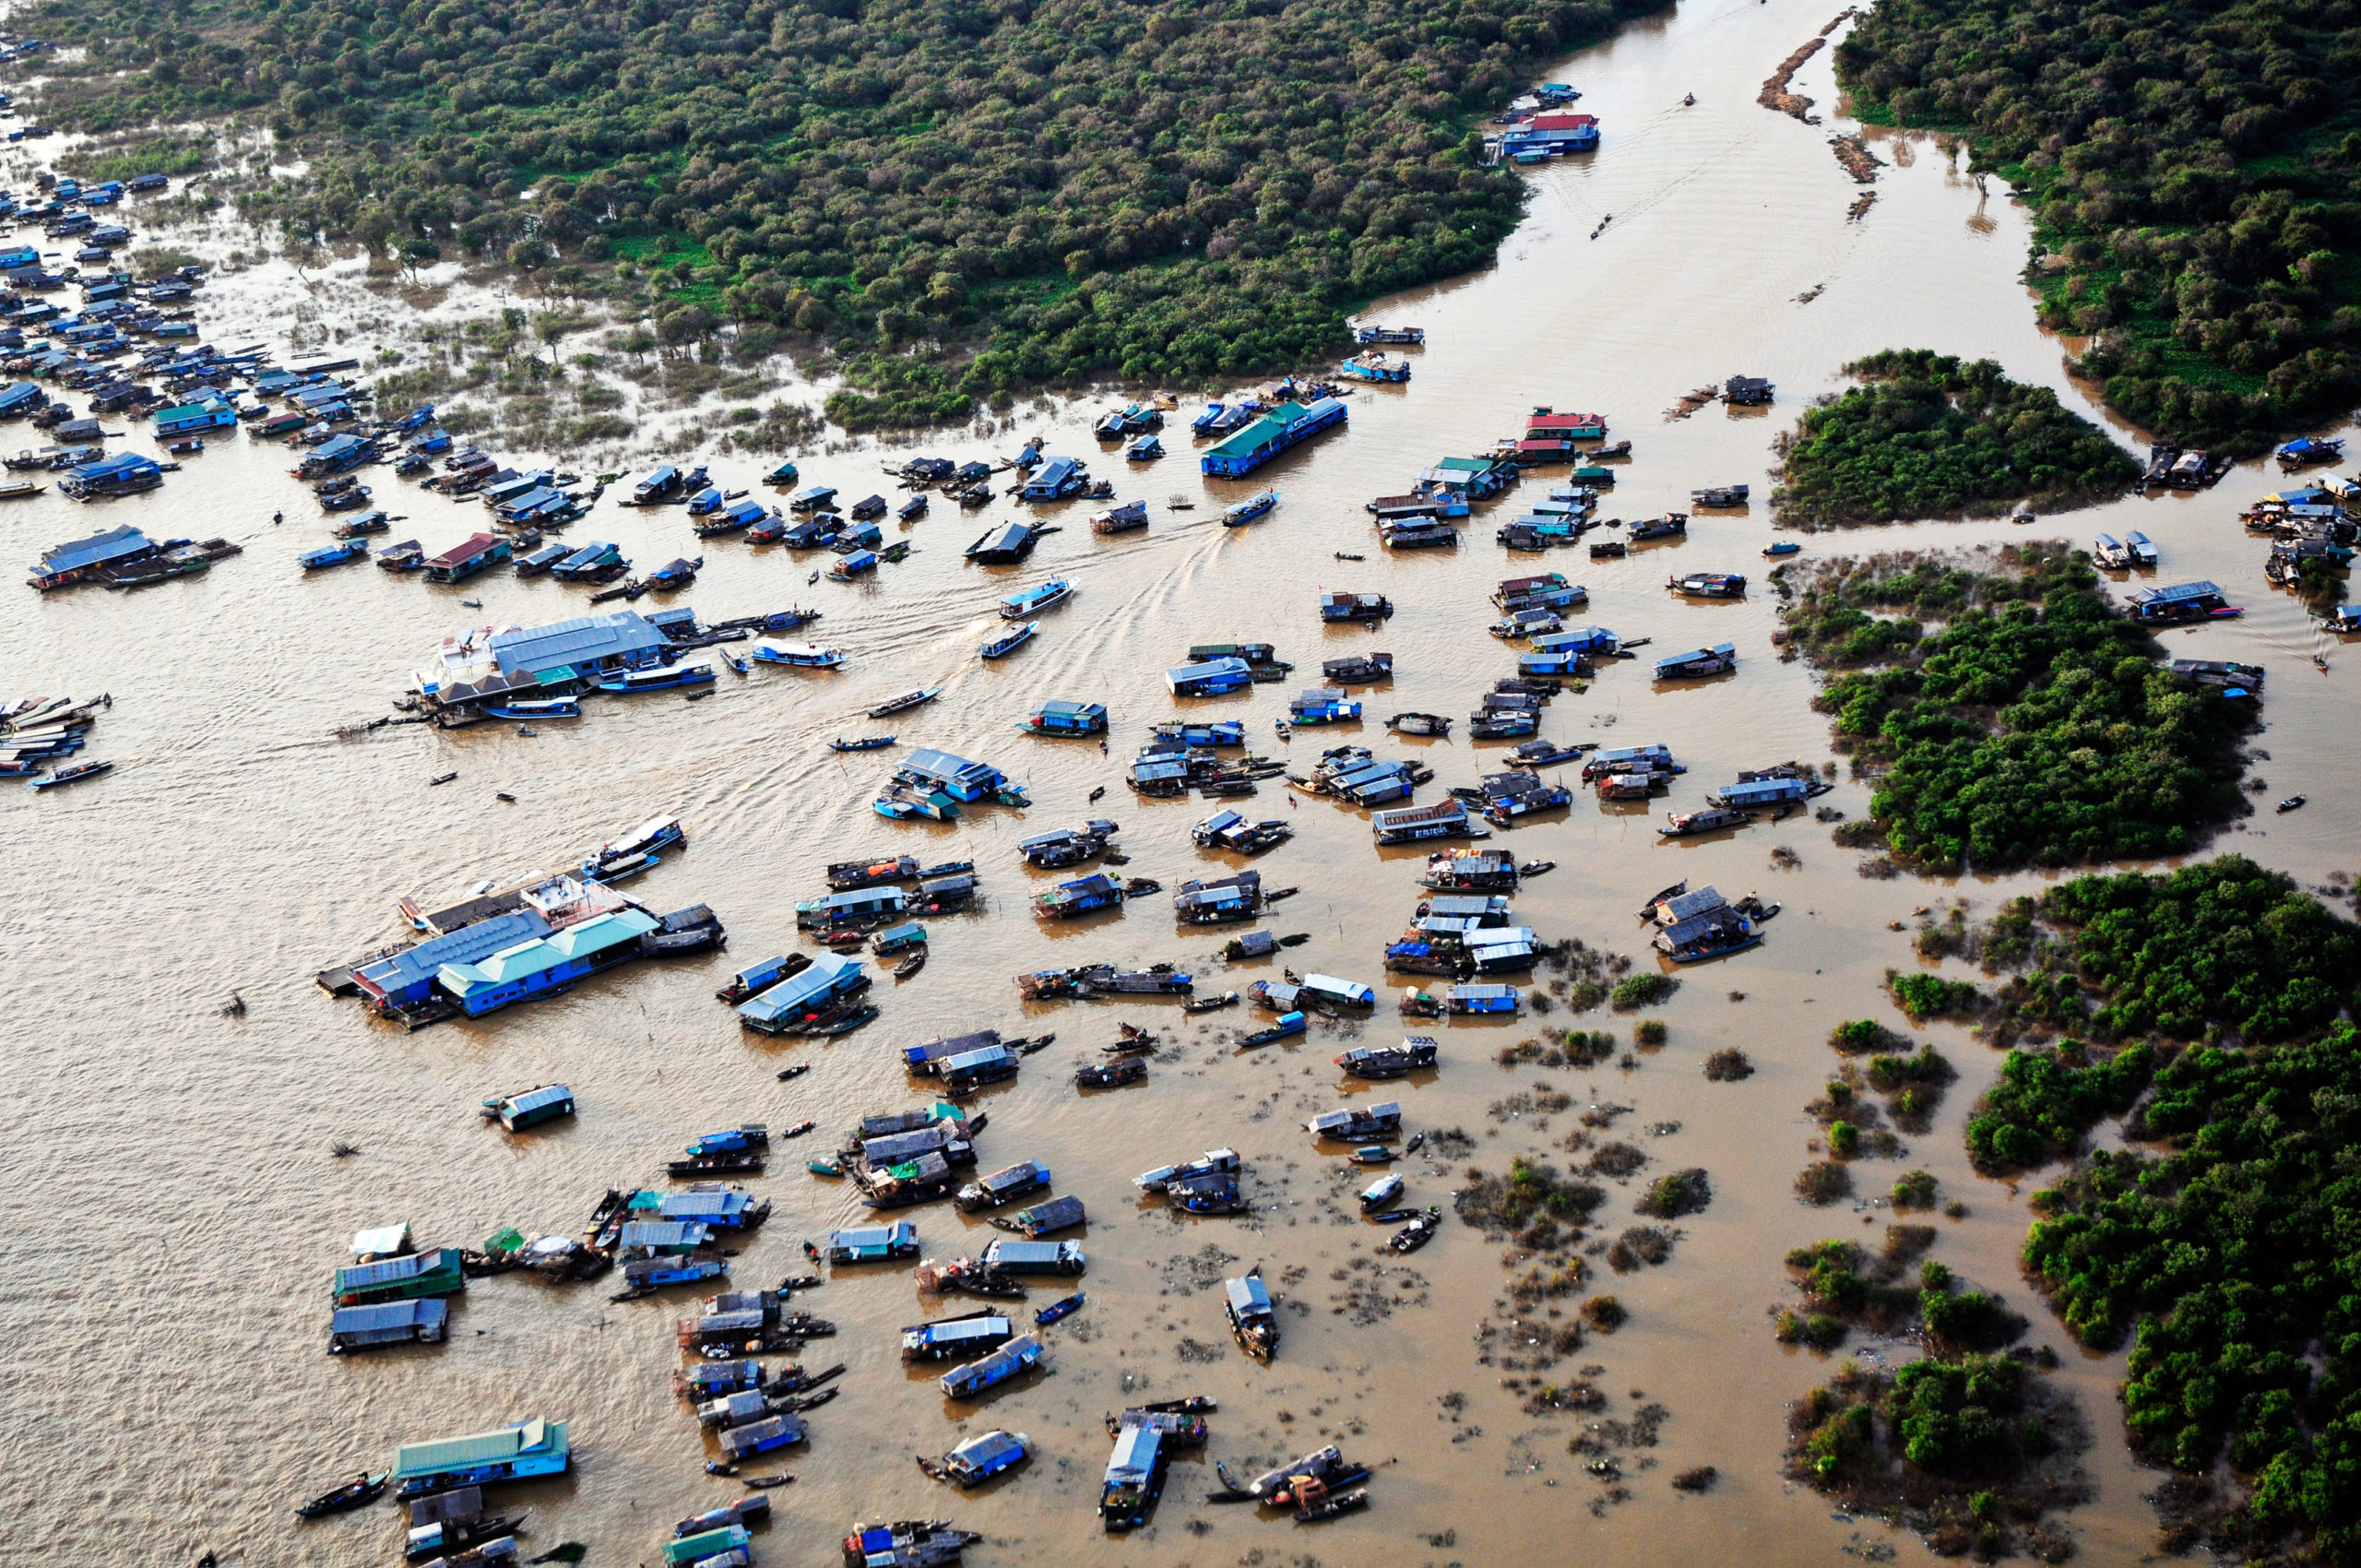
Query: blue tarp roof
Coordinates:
[337,446]
[586,637]
[113,545]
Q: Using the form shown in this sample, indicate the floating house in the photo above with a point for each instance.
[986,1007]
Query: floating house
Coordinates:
[127,473]
[1210,679]
[1281,428]
[491,667]
[1445,819]
[1061,718]
[541,966]
[205,414]
[477,552]
[1553,134]
[827,981]
[954,776]
[83,559]
[393,1322]
[2182,601]
[1004,546]
[515,1452]
[1550,424]
[1056,479]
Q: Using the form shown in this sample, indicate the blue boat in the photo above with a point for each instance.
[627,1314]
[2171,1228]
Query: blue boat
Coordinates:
[1147,449]
[853,565]
[980,1458]
[1057,1310]
[659,679]
[1033,600]
[1009,642]
[1781,547]
[1245,511]
[545,707]
[783,474]
[1289,1023]
[704,501]
[333,554]
[1205,423]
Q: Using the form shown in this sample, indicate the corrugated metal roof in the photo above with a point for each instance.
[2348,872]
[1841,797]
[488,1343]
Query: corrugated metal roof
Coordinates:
[391,1314]
[465,946]
[584,638]
[113,545]
[479,1448]
[1270,427]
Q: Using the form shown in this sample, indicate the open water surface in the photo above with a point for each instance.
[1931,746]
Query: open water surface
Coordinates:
[172,1209]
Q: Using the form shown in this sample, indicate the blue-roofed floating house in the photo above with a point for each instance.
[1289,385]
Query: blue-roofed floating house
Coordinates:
[540,965]
[126,473]
[515,1453]
[83,558]
[1283,427]
[827,981]
[955,776]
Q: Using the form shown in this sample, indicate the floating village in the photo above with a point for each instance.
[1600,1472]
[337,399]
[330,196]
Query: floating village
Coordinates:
[95,346]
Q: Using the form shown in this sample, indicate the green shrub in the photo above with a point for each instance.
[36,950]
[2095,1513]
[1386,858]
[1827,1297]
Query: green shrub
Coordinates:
[1923,996]
[2044,1102]
[1642,990]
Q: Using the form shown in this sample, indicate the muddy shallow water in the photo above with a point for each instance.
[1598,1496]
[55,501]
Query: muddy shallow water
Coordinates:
[172,1208]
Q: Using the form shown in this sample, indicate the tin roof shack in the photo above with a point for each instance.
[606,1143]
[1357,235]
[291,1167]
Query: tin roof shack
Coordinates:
[954,776]
[2182,602]
[126,473]
[409,1278]
[1213,902]
[2237,683]
[1550,424]
[1718,660]
[1553,135]
[969,1334]
[1046,1219]
[1004,1186]
[84,559]
[1444,819]
[1210,679]
[528,1449]
[966,1382]
[1702,924]
[1057,478]
[854,906]
[1361,607]
[1472,479]
[1746,391]
[1471,871]
[1273,434]
[1757,794]
[477,552]
[1135,1473]
[1058,717]
[391,1323]
[1252,1318]
[823,984]
[1004,546]
[1348,1125]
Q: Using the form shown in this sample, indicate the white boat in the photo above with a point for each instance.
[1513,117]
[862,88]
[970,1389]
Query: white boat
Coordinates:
[804,656]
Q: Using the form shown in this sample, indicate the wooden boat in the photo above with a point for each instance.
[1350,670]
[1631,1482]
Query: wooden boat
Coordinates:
[1417,1233]
[1419,724]
[864,743]
[74,775]
[910,965]
[1535,868]
[1211,1004]
[1059,1309]
[333,554]
[355,1493]
[907,701]
[545,707]
[2292,802]
[1009,642]
[1120,519]
[1131,1070]
[17,489]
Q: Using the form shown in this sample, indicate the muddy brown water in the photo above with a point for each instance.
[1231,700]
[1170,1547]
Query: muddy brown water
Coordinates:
[173,1210]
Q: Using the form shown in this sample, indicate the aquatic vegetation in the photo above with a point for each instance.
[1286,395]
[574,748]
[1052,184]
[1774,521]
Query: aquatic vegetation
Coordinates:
[1959,1449]
[1604,1314]
[1913,1188]
[2044,1101]
[1682,1192]
[1533,1189]
[2188,167]
[2038,727]
[1179,191]
[1642,990]
[1862,1035]
[1824,1182]
[1649,1031]
[1927,437]
[1727,1066]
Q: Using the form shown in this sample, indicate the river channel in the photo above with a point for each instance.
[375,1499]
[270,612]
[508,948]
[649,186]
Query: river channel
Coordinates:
[171,1208]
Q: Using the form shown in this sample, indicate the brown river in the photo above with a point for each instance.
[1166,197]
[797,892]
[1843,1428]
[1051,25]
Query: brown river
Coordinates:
[172,1208]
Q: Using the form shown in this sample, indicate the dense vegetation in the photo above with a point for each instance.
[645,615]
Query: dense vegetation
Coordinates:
[1177,190]
[1963,1448]
[1927,437]
[2230,1250]
[2037,728]
[2221,943]
[2194,166]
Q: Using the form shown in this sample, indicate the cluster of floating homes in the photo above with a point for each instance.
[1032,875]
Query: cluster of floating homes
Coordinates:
[493,949]
[541,672]
[2312,530]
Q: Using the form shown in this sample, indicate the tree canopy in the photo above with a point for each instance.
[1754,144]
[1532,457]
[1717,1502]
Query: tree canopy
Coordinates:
[2195,170]
[1042,189]
[1929,437]
[2038,727]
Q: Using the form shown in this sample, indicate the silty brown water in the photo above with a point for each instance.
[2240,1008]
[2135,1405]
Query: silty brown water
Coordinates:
[173,1209]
